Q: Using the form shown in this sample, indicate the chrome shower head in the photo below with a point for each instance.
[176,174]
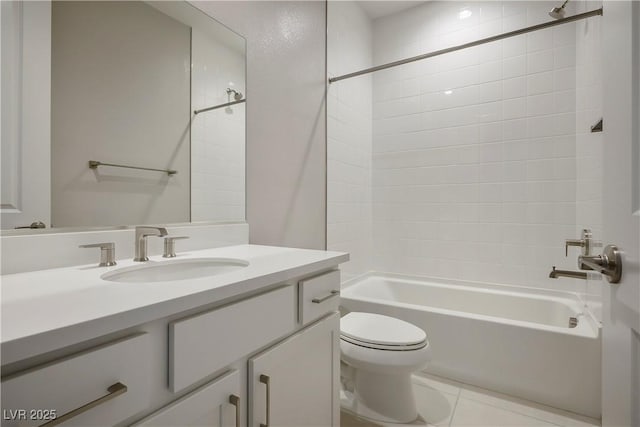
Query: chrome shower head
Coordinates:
[236,95]
[558,12]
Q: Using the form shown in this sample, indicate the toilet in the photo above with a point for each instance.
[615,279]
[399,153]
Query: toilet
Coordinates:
[379,354]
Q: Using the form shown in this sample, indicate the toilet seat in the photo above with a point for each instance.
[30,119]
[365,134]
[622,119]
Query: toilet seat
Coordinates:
[381,332]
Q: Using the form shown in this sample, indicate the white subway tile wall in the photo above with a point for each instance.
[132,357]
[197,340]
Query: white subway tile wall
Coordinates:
[479,167]
[349,138]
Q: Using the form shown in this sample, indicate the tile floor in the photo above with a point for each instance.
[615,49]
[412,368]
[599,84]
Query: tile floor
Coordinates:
[442,402]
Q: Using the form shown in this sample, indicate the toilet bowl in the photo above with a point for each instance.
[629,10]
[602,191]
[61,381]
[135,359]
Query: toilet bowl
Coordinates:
[379,354]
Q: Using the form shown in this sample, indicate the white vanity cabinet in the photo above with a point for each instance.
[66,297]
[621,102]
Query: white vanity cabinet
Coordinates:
[268,356]
[218,403]
[295,383]
[205,343]
[101,386]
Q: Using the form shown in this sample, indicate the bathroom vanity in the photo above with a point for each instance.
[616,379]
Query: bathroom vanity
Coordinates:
[256,346]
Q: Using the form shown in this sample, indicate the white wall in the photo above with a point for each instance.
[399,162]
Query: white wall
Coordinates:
[286,151]
[217,136]
[125,103]
[349,137]
[475,151]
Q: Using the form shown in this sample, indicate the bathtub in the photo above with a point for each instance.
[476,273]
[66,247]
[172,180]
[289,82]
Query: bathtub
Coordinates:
[539,345]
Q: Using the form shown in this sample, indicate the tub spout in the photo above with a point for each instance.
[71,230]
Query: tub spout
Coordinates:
[565,273]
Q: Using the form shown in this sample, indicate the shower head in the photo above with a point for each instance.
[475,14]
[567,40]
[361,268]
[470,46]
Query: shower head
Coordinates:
[558,12]
[236,95]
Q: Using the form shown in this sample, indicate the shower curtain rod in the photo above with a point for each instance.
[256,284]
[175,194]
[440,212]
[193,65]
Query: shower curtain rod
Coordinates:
[215,107]
[470,44]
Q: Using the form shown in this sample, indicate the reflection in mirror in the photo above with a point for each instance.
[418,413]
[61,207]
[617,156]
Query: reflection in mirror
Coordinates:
[125,146]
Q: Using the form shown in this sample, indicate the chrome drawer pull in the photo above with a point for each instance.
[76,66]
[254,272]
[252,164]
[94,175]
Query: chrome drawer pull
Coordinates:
[114,391]
[326,297]
[235,401]
[264,379]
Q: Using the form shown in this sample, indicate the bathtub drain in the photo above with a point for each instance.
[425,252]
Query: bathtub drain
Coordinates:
[573,322]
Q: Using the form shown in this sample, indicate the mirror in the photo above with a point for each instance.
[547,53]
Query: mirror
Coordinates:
[115,114]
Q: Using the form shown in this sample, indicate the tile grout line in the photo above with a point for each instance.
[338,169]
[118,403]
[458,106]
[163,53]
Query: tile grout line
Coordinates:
[455,406]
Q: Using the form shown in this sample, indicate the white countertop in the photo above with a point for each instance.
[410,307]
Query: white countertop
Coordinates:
[49,309]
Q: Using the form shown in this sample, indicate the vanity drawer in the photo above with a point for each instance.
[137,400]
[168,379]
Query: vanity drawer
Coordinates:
[319,295]
[205,343]
[113,379]
[216,403]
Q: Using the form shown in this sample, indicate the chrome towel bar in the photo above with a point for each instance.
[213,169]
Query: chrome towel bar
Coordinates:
[93,164]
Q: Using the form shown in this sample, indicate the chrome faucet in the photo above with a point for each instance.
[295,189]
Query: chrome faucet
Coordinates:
[142,233]
[566,273]
[587,244]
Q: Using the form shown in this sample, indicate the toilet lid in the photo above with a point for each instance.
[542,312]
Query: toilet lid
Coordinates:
[378,331]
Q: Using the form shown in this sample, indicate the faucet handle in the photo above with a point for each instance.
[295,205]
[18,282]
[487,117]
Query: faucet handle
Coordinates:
[572,242]
[170,246]
[107,253]
[586,242]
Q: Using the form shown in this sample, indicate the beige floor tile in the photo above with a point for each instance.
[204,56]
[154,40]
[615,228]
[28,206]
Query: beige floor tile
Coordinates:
[582,422]
[521,406]
[442,403]
[349,420]
[434,406]
[477,414]
[439,383]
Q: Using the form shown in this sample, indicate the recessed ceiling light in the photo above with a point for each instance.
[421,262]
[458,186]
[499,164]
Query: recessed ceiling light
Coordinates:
[448,92]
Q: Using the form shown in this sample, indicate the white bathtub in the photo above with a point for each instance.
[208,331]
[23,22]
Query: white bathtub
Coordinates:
[510,339]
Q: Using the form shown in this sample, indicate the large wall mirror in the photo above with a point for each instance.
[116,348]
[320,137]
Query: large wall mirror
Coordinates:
[120,113]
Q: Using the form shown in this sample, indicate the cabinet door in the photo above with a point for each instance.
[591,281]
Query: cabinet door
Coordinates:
[26,113]
[217,403]
[296,382]
[100,386]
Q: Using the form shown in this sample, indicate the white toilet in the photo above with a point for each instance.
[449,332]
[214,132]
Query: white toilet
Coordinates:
[379,354]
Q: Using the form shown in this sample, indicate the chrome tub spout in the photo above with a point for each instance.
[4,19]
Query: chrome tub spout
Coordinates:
[566,273]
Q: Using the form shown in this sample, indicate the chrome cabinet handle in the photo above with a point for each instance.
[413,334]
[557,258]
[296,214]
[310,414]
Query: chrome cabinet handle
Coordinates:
[264,379]
[235,401]
[107,253]
[113,391]
[326,297]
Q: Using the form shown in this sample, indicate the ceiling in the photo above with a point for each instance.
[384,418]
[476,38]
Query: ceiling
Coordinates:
[376,9]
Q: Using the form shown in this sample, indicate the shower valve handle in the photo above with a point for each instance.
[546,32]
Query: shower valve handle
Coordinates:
[586,242]
[572,242]
[608,263]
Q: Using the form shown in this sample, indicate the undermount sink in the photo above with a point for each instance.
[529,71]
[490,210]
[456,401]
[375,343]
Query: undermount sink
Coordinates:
[165,271]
